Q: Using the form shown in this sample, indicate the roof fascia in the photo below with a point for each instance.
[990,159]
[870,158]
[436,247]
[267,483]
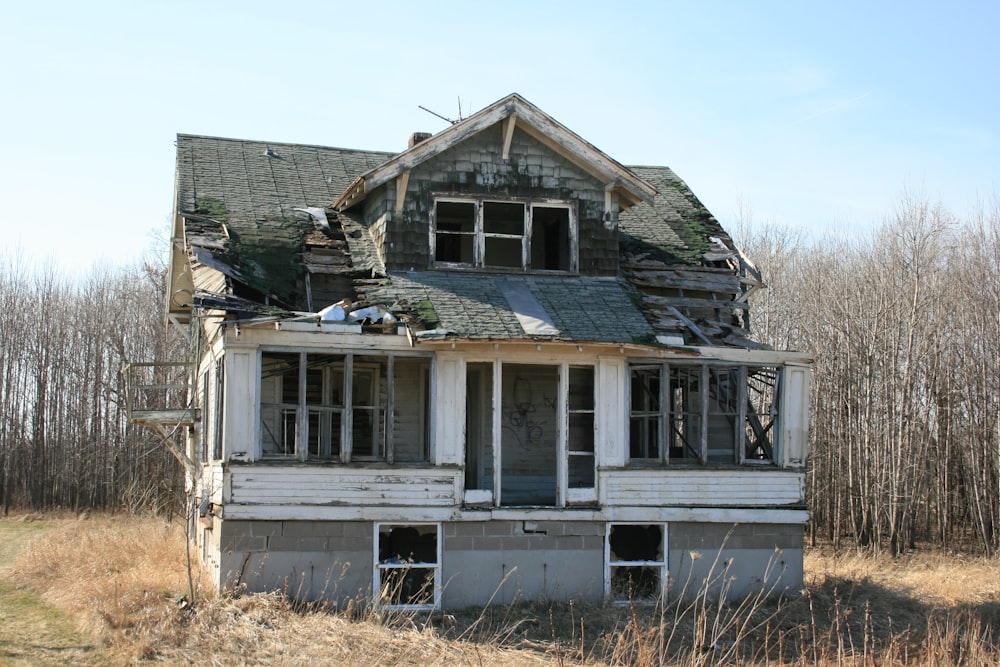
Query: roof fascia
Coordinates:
[529,118]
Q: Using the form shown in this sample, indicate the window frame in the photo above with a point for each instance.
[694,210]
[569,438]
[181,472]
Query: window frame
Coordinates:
[565,495]
[662,565]
[378,566]
[383,422]
[480,235]
[746,420]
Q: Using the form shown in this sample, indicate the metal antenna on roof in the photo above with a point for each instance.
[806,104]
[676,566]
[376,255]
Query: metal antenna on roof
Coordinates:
[435,113]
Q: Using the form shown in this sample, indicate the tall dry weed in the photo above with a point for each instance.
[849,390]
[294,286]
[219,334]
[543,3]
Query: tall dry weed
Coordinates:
[123,578]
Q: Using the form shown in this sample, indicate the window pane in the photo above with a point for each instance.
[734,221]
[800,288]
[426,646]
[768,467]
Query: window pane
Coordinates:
[581,388]
[503,218]
[456,225]
[279,386]
[644,423]
[685,413]
[504,252]
[454,216]
[550,239]
[762,412]
[411,418]
[407,564]
[723,413]
[368,407]
[479,426]
[581,472]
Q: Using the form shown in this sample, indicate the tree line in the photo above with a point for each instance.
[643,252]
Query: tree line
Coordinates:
[65,440]
[904,323]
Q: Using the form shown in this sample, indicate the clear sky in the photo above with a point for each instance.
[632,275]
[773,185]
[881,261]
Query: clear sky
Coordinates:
[813,115]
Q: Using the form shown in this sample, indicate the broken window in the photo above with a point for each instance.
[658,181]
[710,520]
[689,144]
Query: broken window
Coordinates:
[535,445]
[407,566]
[636,562]
[504,235]
[702,413]
[337,407]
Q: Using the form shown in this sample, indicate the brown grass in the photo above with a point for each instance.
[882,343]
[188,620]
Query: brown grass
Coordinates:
[123,579]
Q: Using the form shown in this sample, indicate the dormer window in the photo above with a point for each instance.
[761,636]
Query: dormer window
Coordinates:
[504,235]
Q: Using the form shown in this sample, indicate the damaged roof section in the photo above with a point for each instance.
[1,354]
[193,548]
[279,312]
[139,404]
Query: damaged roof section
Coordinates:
[256,215]
[262,237]
[692,278]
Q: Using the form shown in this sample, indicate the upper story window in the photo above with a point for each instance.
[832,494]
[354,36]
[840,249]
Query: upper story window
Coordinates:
[504,235]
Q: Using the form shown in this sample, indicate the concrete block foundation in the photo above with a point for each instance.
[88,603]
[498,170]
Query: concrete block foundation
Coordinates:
[499,562]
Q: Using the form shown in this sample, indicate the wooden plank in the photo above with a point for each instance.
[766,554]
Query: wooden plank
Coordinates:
[401,182]
[508,134]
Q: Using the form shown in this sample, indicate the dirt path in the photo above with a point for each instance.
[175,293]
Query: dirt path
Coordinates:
[31,631]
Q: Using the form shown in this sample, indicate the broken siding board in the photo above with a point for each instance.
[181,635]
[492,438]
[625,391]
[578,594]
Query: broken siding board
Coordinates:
[693,487]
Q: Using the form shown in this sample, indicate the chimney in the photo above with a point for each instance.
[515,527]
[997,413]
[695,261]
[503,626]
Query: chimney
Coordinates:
[417,137]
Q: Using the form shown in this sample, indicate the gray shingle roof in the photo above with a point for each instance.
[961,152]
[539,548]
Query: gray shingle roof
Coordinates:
[244,194]
[469,306]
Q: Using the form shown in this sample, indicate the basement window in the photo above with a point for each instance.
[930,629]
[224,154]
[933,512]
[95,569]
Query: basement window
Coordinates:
[636,562]
[508,235]
[344,407]
[407,573]
[703,413]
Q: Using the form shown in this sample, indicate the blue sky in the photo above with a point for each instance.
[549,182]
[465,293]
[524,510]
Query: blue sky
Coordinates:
[812,116]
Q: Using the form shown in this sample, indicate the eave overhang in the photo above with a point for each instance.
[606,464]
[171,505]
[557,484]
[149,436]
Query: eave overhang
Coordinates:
[511,110]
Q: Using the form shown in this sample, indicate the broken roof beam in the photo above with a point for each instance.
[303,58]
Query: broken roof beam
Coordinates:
[690,325]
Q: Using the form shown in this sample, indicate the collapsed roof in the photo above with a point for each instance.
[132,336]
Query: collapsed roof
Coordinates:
[266,229]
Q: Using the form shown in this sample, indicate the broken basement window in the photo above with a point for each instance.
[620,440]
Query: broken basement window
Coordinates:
[407,571]
[636,561]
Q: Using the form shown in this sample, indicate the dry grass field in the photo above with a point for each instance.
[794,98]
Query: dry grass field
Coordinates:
[111,590]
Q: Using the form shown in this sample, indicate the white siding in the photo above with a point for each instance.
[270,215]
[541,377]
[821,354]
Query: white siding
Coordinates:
[240,409]
[692,487]
[341,486]
[449,410]
[794,416]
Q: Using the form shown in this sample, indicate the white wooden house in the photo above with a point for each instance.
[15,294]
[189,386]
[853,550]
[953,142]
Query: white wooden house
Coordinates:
[496,365]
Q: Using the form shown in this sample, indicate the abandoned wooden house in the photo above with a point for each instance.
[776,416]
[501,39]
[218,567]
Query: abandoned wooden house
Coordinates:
[497,365]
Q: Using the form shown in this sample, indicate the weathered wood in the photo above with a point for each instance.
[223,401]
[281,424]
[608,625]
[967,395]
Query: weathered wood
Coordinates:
[688,486]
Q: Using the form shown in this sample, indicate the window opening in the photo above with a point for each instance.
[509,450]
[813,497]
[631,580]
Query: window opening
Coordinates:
[336,407]
[407,571]
[550,239]
[479,426]
[220,384]
[702,413]
[529,432]
[762,412]
[504,235]
[455,233]
[637,563]
[580,440]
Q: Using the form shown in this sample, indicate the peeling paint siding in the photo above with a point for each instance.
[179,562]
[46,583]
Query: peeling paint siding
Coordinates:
[341,486]
[725,487]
